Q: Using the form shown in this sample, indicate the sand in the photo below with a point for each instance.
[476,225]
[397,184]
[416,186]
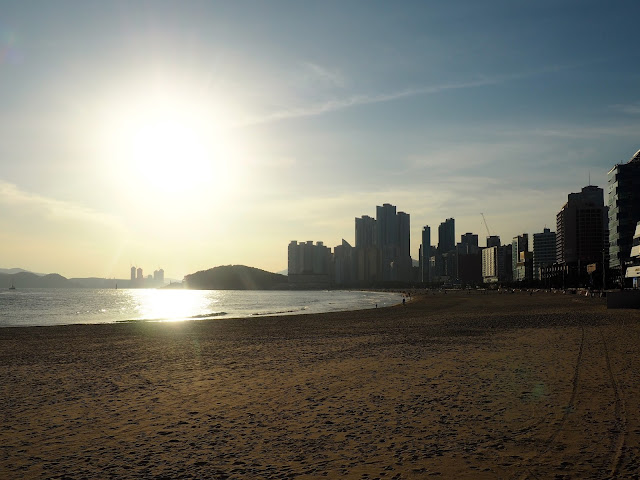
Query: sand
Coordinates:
[450,386]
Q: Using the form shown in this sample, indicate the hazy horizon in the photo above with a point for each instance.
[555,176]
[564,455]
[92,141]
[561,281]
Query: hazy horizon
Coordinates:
[196,134]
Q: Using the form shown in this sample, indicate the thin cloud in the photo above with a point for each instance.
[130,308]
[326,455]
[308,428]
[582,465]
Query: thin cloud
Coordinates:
[367,99]
[11,194]
[628,108]
[325,75]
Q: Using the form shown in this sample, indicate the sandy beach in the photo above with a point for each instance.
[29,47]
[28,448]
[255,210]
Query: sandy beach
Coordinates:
[452,386]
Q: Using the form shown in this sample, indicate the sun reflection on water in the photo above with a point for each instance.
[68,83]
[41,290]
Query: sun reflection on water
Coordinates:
[172,305]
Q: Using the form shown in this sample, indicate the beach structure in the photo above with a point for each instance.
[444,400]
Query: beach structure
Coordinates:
[623,185]
[633,270]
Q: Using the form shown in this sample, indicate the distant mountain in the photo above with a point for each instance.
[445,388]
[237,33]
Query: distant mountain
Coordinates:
[235,277]
[31,280]
[11,271]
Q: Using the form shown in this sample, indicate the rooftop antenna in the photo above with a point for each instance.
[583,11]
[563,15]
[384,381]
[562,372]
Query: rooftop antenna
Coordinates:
[589,177]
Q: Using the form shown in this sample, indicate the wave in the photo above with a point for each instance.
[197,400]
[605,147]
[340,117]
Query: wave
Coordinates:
[203,316]
[278,312]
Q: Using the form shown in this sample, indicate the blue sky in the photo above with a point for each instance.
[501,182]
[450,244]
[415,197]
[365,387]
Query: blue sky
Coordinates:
[193,134]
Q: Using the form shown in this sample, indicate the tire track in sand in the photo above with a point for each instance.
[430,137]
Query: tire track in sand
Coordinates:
[568,409]
[620,414]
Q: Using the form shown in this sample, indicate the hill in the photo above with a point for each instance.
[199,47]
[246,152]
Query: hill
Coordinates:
[31,280]
[235,277]
[11,271]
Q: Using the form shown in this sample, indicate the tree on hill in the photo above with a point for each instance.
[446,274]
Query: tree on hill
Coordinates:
[235,277]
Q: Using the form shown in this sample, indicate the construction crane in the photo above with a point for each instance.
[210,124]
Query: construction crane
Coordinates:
[485,224]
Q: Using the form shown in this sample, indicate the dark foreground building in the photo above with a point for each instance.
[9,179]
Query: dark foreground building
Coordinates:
[624,211]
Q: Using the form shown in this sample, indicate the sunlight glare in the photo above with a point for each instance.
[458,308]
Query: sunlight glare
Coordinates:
[172,305]
[167,146]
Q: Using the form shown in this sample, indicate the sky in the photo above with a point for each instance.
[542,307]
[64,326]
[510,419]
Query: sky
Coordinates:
[186,135]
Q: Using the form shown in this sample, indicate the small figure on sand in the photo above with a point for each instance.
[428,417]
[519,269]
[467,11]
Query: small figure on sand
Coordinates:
[403,301]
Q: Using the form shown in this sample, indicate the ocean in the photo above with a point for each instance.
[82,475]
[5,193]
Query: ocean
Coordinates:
[48,306]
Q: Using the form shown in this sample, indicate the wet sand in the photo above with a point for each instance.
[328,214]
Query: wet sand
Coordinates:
[450,386]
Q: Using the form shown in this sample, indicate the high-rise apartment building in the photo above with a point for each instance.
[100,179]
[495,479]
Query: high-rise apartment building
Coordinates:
[519,250]
[581,229]
[544,251]
[623,184]
[493,241]
[308,264]
[366,233]
[404,243]
[447,236]
[468,244]
[393,241]
[425,255]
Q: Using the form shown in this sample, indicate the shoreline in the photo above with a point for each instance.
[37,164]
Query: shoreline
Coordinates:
[456,385]
[99,310]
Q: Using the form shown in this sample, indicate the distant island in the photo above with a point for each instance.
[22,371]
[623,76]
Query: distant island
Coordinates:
[228,277]
[235,277]
[24,279]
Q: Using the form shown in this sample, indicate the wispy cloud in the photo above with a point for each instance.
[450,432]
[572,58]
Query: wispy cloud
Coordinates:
[12,195]
[357,100]
[628,108]
[354,100]
[332,77]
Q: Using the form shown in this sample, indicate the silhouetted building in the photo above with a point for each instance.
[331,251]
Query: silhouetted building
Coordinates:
[393,240]
[633,269]
[447,235]
[623,184]
[493,241]
[133,274]
[520,244]
[344,264]
[158,277]
[366,256]
[544,251]
[425,255]
[581,231]
[308,264]
[366,233]
[496,264]
[468,244]
[470,268]
[580,227]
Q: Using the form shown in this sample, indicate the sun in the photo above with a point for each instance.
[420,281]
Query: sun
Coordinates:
[166,146]
[170,154]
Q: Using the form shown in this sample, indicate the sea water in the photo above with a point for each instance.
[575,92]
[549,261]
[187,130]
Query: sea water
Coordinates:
[47,306]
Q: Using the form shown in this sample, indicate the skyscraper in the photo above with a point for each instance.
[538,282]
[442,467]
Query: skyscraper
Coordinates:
[493,241]
[468,243]
[366,234]
[367,254]
[447,236]
[404,243]
[544,251]
[581,227]
[425,255]
[519,249]
[393,241]
[623,184]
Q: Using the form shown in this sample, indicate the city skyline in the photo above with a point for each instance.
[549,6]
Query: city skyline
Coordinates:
[213,133]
